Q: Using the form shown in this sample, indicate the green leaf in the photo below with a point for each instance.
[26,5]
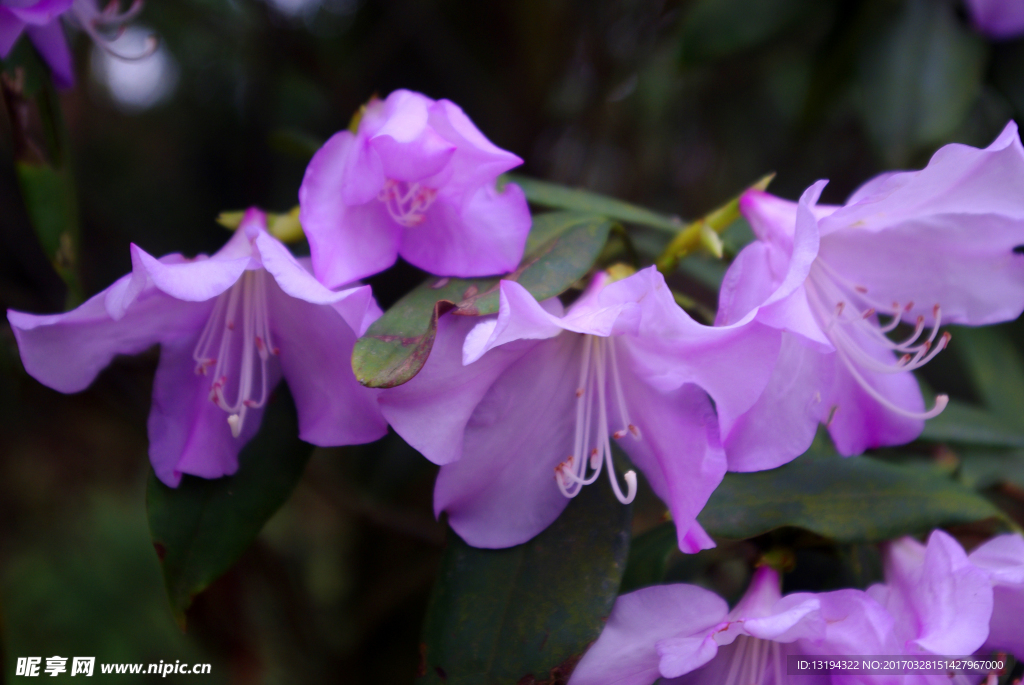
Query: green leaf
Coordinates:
[42,162]
[563,246]
[718,28]
[981,469]
[967,424]
[854,499]
[996,370]
[920,79]
[201,527]
[501,616]
[649,557]
[546,194]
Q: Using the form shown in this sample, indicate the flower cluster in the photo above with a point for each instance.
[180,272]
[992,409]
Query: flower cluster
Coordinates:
[520,408]
[936,600]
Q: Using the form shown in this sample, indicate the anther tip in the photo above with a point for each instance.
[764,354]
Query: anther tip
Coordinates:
[630,478]
[236,425]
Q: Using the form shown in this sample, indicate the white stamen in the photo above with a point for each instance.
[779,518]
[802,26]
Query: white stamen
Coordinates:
[407,203]
[751,660]
[239,355]
[92,21]
[592,448]
[847,324]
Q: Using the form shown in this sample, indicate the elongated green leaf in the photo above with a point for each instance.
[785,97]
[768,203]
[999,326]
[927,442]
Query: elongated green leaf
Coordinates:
[920,78]
[854,499]
[42,161]
[394,349]
[556,196]
[717,28]
[649,555]
[506,615]
[201,527]
[982,469]
[968,424]
[996,370]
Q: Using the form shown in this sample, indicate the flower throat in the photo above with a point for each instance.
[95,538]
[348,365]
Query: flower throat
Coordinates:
[236,342]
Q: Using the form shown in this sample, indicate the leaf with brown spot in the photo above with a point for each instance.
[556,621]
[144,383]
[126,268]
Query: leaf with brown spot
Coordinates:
[561,249]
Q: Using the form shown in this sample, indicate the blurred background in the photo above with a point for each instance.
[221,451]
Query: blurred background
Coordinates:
[676,105]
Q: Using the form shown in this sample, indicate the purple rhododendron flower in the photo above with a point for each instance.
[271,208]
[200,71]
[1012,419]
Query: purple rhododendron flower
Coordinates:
[519,408]
[922,247]
[997,18]
[417,180]
[40,19]
[687,635]
[229,327]
[1002,558]
[941,602]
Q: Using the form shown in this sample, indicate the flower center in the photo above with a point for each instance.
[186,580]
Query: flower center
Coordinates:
[592,449]
[236,342]
[751,660]
[407,203]
[849,317]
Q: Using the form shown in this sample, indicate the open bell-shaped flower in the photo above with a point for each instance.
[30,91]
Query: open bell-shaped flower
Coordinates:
[416,180]
[520,409]
[229,327]
[920,248]
[686,635]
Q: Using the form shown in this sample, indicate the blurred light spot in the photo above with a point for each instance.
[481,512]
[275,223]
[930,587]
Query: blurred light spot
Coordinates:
[295,8]
[135,85]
